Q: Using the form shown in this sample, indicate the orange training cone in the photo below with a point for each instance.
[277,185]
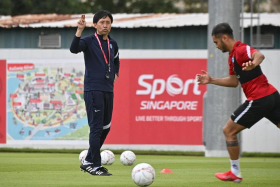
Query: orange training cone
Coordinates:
[166,170]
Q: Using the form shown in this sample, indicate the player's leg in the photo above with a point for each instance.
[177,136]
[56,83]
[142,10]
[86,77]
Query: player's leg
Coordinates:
[245,116]
[95,108]
[108,111]
[96,126]
[231,129]
[88,161]
[87,98]
[105,132]
[95,111]
[274,114]
[107,116]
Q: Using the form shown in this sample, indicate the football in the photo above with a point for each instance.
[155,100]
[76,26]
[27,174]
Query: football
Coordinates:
[83,155]
[127,158]
[107,157]
[143,174]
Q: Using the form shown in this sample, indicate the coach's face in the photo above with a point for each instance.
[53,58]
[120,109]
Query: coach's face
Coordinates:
[220,43]
[103,26]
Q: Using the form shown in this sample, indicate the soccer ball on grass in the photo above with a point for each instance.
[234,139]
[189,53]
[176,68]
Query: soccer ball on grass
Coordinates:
[143,174]
[83,155]
[127,158]
[107,157]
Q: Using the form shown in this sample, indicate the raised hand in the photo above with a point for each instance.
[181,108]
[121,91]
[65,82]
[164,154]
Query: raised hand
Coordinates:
[247,66]
[82,23]
[203,78]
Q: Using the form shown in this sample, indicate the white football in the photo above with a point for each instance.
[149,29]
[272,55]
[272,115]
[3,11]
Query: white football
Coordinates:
[107,157]
[143,174]
[128,158]
[83,155]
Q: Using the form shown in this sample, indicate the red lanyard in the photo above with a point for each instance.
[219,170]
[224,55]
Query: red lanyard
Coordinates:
[105,58]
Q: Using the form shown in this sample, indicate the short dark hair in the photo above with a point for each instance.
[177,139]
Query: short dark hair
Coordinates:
[102,14]
[222,28]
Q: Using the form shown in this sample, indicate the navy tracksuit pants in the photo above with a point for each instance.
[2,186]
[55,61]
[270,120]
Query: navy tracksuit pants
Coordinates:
[99,106]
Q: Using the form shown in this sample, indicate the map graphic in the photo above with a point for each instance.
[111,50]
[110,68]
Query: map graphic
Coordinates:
[45,101]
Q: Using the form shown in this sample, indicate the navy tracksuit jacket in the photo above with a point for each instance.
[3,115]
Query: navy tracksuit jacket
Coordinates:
[98,91]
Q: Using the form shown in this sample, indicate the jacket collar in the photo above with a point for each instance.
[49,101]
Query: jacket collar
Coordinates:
[101,37]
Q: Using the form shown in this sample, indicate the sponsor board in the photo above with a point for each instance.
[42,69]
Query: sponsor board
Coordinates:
[158,101]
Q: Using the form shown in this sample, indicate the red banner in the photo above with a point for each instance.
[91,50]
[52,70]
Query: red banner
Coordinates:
[79,91]
[2,101]
[16,103]
[13,95]
[56,102]
[158,101]
[34,100]
[20,76]
[40,74]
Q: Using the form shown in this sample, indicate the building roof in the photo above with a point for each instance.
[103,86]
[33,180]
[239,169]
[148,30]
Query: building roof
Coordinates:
[128,20]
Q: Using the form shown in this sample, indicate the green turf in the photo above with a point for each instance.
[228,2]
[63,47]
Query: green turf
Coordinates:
[138,152]
[77,151]
[62,170]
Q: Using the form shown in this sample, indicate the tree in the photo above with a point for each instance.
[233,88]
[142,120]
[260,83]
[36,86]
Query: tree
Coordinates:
[132,6]
[190,6]
[154,6]
[5,7]
[19,7]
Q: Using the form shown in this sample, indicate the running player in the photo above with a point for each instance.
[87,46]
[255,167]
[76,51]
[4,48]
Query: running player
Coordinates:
[263,100]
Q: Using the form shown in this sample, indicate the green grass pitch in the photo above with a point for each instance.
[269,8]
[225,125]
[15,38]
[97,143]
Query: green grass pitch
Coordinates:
[62,170]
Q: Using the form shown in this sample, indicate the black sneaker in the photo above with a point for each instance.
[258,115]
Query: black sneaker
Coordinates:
[102,171]
[99,171]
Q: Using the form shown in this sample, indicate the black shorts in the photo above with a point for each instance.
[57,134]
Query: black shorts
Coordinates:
[250,112]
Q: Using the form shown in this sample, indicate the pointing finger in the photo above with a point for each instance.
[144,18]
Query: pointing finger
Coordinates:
[203,71]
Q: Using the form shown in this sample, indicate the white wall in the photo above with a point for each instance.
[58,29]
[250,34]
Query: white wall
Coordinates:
[265,136]
[262,137]
[55,56]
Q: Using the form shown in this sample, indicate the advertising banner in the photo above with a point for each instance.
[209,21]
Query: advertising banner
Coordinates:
[45,100]
[157,101]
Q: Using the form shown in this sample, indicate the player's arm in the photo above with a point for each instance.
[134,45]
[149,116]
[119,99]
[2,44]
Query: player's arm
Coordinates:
[78,45]
[257,58]
[205,78]
[81,26]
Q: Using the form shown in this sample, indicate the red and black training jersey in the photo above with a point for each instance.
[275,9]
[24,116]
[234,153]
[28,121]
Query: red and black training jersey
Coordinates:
[253,82]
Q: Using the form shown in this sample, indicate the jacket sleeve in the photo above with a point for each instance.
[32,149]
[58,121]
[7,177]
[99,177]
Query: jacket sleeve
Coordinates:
[116,60]
[78,45]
